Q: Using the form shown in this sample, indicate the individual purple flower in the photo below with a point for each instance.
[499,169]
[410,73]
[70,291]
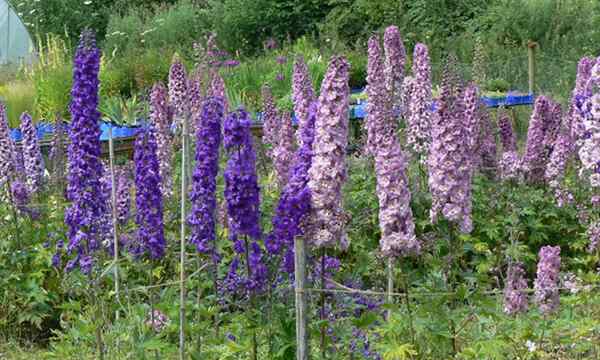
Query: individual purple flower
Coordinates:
[57,257]
[271,44]
[283,152]
[6,148]
[157,320]
[281,60]
[88,206]
[328,171]
[547,278]
[148,197]
[515,292]
[178,88]
[507,134]
[231,63]
[32,154]
[303,95]
[534,159]
[395,214]
[395,59]
[204,180]
[269,117]
[280,77]
[217,90]
[450,168]
[419,106]
[241,182]
[593,233]
[160,115]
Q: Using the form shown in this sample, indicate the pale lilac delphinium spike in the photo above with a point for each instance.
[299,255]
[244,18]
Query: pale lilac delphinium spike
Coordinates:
[395,60]
[562,150]
[575,120]
[303,95]
[269,118]
[195,96]
[472,122]
[593,233]
[510,166]
[6,148]
[450,170]
[547,278]
[395,214]
[420,114]
[160,116]
[507,134]
[217,90]
[178,89]
[553,125]
[515,291]
[123,207]
[534,159]
[328,171]
[283,152]
[408,87]
[32,155]
[88,206]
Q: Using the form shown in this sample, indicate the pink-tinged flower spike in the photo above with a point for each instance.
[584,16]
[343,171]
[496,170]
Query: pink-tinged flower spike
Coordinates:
[546,282]
[510,166]
[450,169]
[303,95]
[419,121]
[328,171]
[515,292]
[408,87]
[160,116]
[534,159]
[269,118]
[195,96]
[178,89]
[217,90]
[32,155]
[283,152]
[6,148]
[563,149]
[507,134]
[395,215]
[395,59]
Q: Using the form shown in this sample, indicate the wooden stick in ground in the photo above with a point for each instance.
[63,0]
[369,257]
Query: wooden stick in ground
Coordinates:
[301,317]
[390,285]
[184,153]
[113,200]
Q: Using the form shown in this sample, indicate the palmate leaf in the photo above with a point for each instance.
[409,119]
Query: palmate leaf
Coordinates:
[400,352]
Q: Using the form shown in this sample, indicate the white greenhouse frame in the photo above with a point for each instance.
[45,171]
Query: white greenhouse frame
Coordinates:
[16,45]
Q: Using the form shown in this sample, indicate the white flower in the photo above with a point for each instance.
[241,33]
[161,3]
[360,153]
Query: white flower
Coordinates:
[88,2]
[531,346]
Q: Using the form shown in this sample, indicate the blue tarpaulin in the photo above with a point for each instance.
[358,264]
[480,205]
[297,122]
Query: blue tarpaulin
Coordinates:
[45,129]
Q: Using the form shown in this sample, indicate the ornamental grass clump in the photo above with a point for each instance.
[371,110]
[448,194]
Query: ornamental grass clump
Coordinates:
[32,155]
[203,196]
[88,203]
[160,116]
[395,214]
[547,277]
[419,107]
[328,171]
[150,239]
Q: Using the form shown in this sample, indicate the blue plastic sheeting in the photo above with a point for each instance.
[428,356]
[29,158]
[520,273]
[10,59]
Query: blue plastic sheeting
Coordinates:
[45,129]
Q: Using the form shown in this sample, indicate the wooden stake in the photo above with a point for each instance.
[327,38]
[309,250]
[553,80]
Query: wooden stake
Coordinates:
[390,285]
[113,199]
[531,45]
[184,153]
[301,318]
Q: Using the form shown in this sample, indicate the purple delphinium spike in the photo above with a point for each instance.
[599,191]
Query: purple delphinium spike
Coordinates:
[283,152]
[303,95]
[450,170]
[328,171]
[195,96]
[510,165]
[178,88]
[88,203]
[408,87]
[563,149]
[160,115]
[420,116]
[148,198]
[395,59]
[123,197]
[472,122]
[217,90]
[32,154]
[269,118]
[294,207]
[6,148]
[507,134]
[593,233]
[534,160]
[204,180]
[553,122]
[575,120]
[547,277]
[515,295]
[395,214]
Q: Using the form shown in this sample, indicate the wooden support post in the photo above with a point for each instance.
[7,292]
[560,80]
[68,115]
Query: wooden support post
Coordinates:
[113,200]
[184,160]
[301,317]
[390,285]
[531,45]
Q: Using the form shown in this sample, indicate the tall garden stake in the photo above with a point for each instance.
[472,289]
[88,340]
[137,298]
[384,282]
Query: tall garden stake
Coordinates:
[184,153]
[113,200]
[301,319]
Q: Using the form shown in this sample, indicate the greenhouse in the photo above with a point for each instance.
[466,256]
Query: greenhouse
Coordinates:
[15,43]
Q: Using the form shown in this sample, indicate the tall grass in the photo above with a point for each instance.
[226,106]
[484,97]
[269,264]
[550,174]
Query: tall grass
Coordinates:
[18,96]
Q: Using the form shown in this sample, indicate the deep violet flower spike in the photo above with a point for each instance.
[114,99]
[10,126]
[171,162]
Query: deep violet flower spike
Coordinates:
[148,197]
[204,180]
[85,214]
[395,214]
[515,292]
[328,171]
[32,154]
[547,277]
[241,182]
[160,115]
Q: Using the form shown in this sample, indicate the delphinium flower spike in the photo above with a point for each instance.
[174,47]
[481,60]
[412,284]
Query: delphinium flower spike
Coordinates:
[472,123]
[328,171]
[178,89]
[123,197]
[88,202]
[217,89]
[204,181]
[303,95]
[547,277]
[32,155]
[420,115]
[515,291]
[507,134]
[395,59]
[269,118]
[283,152]
[160,115]
[150,238]
[534,160]
[562,150]
[6,148]
[395,214]
[575,118]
